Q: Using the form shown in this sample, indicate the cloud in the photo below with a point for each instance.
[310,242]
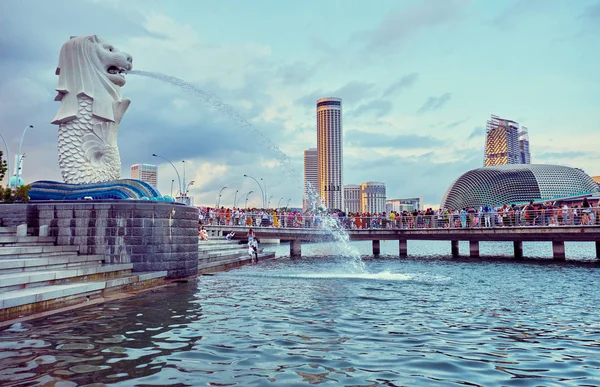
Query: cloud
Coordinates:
[477,132]
[435,103]
[428,174]
[591,18]
[402,23]
[377,108]
[351,93]
[456,123]
[380,140]
[296,73]
[518,10]
[565,155]
[401,84]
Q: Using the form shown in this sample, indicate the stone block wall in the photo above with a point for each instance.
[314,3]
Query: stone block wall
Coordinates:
[151,235]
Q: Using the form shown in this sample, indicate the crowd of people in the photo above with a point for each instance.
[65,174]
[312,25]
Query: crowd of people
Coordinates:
[532,214]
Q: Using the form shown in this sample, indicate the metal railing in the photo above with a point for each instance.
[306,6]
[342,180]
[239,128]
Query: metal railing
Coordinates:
[510,217]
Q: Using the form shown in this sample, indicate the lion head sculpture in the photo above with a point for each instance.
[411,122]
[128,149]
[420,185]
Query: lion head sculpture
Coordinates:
[89,66]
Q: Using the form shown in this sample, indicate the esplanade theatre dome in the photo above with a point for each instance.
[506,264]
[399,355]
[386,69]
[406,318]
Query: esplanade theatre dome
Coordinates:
[516,183]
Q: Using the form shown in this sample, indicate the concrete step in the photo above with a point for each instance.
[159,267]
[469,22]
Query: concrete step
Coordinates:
[8,230]
[221,256]
[222,265]
[48,263]
[26,240]
[22,297]
[214,254]
[38,255]
[17,251]
[220,248]
[134,281]
[15,281]
[19,303]
[215,242]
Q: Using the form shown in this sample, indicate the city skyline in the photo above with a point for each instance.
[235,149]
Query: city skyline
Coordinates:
[418,81]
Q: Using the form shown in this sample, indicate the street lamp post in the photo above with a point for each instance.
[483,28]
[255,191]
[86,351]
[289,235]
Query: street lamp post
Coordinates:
[7,161]
[234,197]
[172,181]
[246,205]
[288,203]
[259,186]
[279,203]
[176,171]
[20,157]
[269,202]
[187,187]
[183,161]
[219,197]
[266,192]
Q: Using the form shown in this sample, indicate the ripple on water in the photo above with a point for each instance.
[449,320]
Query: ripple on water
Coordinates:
[407,322]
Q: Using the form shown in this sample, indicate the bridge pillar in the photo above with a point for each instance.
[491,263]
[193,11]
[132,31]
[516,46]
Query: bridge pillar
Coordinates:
[376,248]
[558,250]
[518,247]
[454,248]
[295,248]
[403,247]
[597,249]
[474,249]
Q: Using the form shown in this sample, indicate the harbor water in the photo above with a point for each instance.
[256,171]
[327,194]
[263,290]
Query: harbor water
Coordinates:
[421,321]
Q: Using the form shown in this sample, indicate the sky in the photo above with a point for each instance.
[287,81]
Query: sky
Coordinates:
[418,80]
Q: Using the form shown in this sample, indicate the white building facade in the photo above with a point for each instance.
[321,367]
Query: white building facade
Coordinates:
[145,172]
[330,150]
[351,198]
[311,178]
[399,205]
[372,197]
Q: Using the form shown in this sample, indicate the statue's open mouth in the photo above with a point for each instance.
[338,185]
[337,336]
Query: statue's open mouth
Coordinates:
[116,70]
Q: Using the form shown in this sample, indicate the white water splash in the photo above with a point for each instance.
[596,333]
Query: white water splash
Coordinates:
[338,233]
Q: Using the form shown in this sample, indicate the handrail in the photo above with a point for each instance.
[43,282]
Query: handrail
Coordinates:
[509,217]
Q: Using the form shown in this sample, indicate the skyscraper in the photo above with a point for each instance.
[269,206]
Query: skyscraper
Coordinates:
[524,146]
[330,149]
[145,172]
[311,178]
[506,143]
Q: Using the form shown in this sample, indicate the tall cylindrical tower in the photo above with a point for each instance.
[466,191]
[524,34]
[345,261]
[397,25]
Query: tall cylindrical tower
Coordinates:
[330,148]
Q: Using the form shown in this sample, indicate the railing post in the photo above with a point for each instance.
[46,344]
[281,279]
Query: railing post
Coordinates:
[518,248]
[403,248]
[454,248]
[474,249]
[558,250]
[295,248]
[376,247]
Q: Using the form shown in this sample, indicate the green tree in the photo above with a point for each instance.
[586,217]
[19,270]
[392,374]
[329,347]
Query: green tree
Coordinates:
[22,193]
[7,195]
[3,168]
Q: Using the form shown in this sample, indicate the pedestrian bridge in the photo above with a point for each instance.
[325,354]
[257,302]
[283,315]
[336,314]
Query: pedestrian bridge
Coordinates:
[557,235]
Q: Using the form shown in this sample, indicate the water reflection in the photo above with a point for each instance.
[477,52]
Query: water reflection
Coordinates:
[409,322]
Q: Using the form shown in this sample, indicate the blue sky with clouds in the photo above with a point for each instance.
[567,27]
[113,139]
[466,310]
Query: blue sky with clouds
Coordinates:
[418,81]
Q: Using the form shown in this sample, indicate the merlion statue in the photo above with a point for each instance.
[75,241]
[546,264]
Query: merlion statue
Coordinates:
[90,75]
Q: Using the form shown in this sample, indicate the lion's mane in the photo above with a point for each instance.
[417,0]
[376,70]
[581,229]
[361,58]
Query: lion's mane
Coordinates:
[79,75]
